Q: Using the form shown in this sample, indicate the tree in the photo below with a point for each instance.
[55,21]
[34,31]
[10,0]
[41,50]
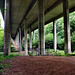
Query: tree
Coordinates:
[1,37]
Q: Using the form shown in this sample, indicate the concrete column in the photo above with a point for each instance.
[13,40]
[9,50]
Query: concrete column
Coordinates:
[7,32]
[30,38]
[54,32]
[20,40]
[33,36]
[17,40]
[41,27]
[9,43]
[25,35]
[66,27]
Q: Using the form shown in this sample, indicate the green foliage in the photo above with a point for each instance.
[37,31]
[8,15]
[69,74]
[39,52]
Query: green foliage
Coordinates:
[1,66]
[1,39]
[57,53]
[72,22]
[60,27]
[61,44]
[0,22]
[12,49]
[35,44]
[72,54]
[49,41]
[49,28]
[36,34]
[2,57]
[73,41]
[60,33]
[2,9]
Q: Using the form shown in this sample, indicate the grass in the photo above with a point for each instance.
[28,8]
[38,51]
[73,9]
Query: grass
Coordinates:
[59,53]
[51,52]
[2,57]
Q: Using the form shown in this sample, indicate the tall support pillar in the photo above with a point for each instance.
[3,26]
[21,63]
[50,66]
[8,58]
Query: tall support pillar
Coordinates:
[54,32]
[7,33]
[20,40]
[9,42]
[33,36]
[30,38]
[25,35]
[66,27]
[41,27]
[17,40]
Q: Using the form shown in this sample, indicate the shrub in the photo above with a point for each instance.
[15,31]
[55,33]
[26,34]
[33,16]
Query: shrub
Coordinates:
[1,39]
[35,44]
[61,44]
[73,41]
[12,49]
[49,41]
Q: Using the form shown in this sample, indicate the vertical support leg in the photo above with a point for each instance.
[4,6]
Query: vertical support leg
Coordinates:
[7,32]
[54,32]
[66,27]
[33,36]
[17,40]
[30,38]
[41,27]
[20,40]
[25,35]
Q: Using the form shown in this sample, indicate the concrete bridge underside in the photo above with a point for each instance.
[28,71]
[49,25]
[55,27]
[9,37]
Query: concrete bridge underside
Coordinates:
[24,16]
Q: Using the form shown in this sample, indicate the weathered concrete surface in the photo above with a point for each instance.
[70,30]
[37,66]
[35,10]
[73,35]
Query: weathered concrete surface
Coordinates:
[33,36]
[7,33]
[41,27]
[66,27]
[20,39]
[52,9]
[30,38]
[25,36]
[55,38]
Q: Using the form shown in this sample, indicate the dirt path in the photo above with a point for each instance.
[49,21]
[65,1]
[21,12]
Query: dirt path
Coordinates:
[41,65]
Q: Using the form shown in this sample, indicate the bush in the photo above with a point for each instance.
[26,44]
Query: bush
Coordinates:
[70,54]
[61,44]
[1,39]
[12,49]
[49,41]
[35,44]
[73,41]
[1,67]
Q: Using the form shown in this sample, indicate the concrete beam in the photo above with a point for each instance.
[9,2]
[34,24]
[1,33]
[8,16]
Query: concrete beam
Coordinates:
[54,32]
[26,13]
[41,27]
[7,33]
[66,27]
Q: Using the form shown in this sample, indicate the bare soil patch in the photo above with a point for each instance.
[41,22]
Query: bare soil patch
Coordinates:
[41,65]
